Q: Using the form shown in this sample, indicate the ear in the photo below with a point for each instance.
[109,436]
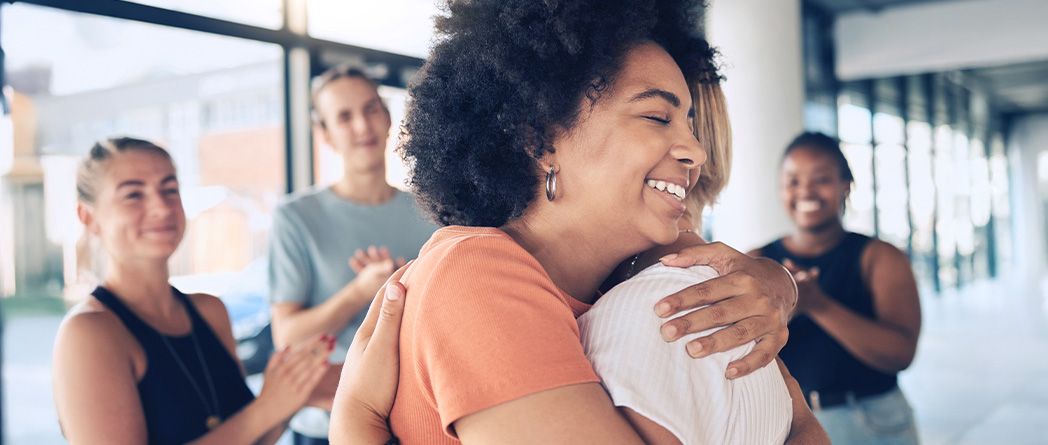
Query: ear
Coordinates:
[321,131]
[86,215]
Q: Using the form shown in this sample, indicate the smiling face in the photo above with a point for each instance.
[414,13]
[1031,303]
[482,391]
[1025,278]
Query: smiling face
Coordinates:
[627,163]
[812,189]
[138,211]
[355,122]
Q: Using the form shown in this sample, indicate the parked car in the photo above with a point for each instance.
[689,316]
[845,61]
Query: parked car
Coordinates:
[248,310]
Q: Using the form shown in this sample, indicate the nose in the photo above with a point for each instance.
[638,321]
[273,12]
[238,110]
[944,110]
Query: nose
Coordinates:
[361,126]
[158,206]
[687,150]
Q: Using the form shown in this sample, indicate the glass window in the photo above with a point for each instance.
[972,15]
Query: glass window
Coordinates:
[214,102]
[854,123]
[946,205]
[858,215]
[264,13]
[890,156]
[1000,203]
[399,26]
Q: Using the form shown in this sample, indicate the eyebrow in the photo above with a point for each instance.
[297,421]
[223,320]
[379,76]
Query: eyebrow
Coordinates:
[655,92]
[137,183]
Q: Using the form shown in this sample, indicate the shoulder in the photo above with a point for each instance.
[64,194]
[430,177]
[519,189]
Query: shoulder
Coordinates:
[482,275]
[477,257]
[634,298]
[300,202]
[92,333]
[879,252]
[880,258]
[213,311]
[209,306]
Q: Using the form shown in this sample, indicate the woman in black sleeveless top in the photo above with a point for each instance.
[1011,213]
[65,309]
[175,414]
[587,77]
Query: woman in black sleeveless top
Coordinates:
[857,317]
[141,362]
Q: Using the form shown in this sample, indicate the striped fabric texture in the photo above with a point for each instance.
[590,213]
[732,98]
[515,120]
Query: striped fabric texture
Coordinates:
[689,397]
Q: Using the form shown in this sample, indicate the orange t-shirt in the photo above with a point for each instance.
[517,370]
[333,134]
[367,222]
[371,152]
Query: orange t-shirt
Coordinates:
[483,325]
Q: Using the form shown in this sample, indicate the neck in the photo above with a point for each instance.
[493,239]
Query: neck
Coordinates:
[578,266]
[816,240]
[688,237]
[364,186]
[143,286]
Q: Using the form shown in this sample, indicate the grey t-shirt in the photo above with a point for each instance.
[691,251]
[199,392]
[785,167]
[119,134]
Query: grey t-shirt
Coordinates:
[314,234]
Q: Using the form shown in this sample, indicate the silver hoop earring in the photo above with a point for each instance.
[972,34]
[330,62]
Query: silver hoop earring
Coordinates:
[551,184]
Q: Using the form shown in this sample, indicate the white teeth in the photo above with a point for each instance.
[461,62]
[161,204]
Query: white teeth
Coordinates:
[808,206]
[668,187]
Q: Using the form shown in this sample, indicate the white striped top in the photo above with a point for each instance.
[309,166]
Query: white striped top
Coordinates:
[689,397]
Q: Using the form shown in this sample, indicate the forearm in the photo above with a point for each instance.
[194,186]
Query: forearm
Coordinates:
[328,317]
[252,424]
[353,424]
[805,428]
[879,345]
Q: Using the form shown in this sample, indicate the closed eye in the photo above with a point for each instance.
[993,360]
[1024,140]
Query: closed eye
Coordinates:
[657,119]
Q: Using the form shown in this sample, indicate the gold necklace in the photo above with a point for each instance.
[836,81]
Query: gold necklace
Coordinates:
[213,419]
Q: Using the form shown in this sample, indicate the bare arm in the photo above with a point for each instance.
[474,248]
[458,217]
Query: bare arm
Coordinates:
[264,419]
[293,322]
[571,414]
[887,342]
[94,382]
[805,428]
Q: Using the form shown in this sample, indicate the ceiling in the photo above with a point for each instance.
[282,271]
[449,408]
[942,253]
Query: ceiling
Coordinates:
[1018,88]
[1015,88]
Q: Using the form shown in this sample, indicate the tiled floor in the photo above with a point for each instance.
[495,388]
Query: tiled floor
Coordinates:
[981,371]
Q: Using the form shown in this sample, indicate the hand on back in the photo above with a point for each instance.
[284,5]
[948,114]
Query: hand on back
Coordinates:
[752,295]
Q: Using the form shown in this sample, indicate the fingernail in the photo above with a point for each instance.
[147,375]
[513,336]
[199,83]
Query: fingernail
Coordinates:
[663,309]
[694,348]
[669,257]
[669,332]
[393,293]
[732,372]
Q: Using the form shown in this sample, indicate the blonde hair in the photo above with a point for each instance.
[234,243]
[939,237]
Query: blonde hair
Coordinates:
[713,128]
[94,164]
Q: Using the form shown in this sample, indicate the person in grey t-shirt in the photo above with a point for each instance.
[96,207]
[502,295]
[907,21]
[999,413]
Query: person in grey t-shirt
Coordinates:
[331,248]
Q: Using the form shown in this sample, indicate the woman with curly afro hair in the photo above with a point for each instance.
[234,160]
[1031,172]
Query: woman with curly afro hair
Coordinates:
[555,141]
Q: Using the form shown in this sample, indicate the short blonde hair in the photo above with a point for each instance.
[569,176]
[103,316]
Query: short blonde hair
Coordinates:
[713,128]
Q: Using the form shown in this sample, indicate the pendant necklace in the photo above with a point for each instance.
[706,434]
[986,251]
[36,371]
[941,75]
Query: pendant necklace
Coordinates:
[213,410]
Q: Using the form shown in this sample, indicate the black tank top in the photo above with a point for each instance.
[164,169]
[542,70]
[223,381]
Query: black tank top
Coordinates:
[814,358]
[173,408]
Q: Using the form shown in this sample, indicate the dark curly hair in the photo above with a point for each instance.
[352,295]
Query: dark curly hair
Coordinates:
[506,76]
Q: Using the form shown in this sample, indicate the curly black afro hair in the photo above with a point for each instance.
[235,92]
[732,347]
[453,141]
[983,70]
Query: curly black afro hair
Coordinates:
[506,76]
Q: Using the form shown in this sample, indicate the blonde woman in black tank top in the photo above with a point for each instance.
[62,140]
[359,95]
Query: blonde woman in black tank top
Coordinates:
[140,362]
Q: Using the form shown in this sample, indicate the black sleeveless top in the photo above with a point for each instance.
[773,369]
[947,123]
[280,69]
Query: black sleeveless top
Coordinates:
[814,358]
[174,410]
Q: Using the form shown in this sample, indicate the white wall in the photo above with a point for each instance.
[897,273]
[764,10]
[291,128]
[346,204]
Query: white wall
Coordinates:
[1027,140]
[760,44]
[940,36]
